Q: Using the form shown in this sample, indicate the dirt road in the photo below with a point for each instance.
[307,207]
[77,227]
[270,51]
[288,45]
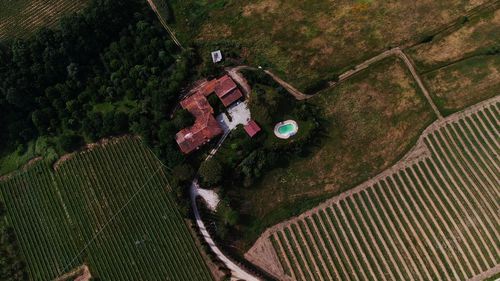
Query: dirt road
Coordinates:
[236,271]
[164,23]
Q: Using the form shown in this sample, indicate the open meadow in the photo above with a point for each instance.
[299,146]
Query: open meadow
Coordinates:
[310,42]
[19,18]
[432,216]
[461,65]
[109,207]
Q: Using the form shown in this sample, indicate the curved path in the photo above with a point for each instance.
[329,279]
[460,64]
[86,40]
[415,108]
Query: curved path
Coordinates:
[237,272]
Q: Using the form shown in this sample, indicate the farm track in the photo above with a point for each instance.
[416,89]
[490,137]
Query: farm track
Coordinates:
[432,216]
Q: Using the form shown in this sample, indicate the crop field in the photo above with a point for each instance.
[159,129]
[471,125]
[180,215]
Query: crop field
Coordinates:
[370,122]
[309,41]
[21,17]
[433,216]
[461,65]
[109,207]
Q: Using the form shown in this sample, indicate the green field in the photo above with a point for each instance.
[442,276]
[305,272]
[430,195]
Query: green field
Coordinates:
[306,42]
[19,18]
[432,218]
[469,81]
[460,65]
[109,207]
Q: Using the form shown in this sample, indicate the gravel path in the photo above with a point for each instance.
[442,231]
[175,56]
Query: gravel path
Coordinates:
[237,271]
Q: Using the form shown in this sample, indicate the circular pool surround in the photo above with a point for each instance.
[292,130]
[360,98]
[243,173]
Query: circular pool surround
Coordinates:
[286,129]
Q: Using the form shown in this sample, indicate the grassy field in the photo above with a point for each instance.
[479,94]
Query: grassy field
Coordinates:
[306,42]
[464,83]
[370,121]
[433,218]
[460,66]
[109,207]
[475,36]
[19,18]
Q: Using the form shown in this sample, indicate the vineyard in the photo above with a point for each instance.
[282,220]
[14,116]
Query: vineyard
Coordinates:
[433,216]
[21,17]
[109,207]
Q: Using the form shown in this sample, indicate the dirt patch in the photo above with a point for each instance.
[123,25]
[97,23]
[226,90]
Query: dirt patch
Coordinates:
[265,6]
[212,32]
[81,273]
[263,253]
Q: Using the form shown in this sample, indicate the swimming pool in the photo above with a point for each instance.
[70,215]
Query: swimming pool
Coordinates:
[286,129]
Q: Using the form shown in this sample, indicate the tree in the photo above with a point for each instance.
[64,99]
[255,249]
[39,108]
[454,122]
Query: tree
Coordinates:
[2,209]
[70,142]
[211,172]
[183,172]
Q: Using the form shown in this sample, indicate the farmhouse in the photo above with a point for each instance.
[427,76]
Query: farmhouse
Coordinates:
[205,126]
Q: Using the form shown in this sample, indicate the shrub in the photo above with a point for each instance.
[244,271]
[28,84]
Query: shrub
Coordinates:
[211,172]
[70,142]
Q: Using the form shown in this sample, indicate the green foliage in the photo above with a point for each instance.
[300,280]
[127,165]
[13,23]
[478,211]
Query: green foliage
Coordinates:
[70,142]
[12,268]
[211,172]
[61,208]
[117,72]
[226,218]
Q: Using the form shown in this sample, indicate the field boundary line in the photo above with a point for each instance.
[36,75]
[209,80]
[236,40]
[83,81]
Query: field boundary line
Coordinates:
[164,24]
[486,274]
[110,220]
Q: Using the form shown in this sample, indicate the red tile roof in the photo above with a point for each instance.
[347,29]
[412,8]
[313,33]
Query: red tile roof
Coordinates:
[231,97]
[252,128]
[205,126]
[224,86]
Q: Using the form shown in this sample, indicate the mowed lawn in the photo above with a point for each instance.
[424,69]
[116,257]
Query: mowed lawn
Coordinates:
[110,208]
[309,41]
[19,18]
[370,122]
[461,66]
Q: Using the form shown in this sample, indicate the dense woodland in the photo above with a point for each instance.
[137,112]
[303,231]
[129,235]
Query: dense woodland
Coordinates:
[108,70]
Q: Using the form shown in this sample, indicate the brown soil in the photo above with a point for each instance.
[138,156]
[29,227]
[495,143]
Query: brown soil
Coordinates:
[81,273]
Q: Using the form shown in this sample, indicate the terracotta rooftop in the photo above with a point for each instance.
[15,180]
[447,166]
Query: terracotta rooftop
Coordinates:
[205,126]
[252,128]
